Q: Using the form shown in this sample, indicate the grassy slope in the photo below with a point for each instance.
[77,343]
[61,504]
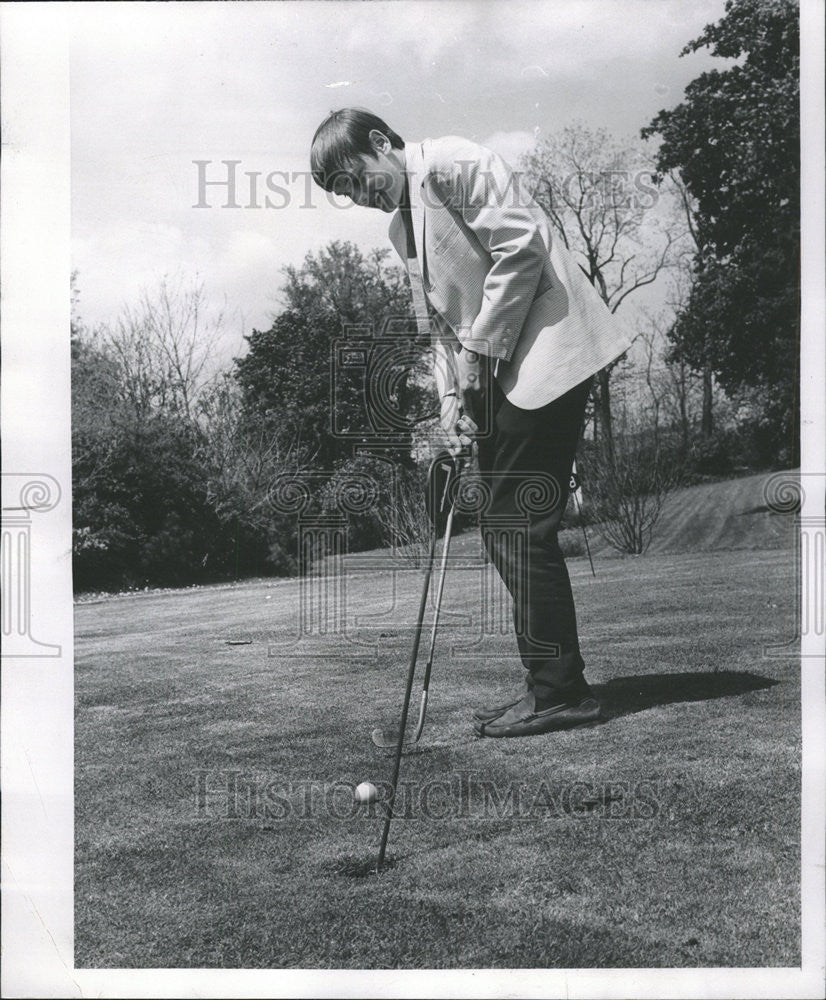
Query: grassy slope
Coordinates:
[710,517]
[711,878]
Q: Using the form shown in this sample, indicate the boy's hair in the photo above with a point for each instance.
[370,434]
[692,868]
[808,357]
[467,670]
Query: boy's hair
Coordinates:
[340,138]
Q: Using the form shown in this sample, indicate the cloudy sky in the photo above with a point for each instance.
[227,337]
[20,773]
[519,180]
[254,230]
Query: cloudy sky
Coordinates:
[155,87]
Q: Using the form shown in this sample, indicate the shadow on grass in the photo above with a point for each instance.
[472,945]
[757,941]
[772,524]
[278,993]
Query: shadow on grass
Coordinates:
[352,866]
[628,695]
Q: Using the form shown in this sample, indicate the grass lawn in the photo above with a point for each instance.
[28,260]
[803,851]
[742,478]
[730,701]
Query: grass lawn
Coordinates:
[214,817]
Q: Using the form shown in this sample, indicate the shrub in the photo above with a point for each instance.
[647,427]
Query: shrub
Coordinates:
[626,491]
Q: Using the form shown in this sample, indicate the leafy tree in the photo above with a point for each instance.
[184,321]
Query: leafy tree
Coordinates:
[293,379]
[683,280]
[734,141]
[146,510]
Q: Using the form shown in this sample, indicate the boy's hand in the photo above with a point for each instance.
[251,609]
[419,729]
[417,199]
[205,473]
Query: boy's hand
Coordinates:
[458,427]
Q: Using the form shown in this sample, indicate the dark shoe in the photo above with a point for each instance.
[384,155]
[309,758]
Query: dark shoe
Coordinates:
[522,719]
[489,714]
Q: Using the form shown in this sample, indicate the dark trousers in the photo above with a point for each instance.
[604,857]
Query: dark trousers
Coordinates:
[526,459]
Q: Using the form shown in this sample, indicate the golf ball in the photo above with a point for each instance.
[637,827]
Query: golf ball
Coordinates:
[366,792]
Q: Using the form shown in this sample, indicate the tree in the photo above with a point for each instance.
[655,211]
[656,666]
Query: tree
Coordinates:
[164,346]
[673,387]
[682,282]
[243,458]
[600,200]
[291,376]
[140,510]
[157,498]
[734,141]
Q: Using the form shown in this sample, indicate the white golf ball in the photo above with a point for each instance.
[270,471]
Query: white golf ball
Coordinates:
[366,792]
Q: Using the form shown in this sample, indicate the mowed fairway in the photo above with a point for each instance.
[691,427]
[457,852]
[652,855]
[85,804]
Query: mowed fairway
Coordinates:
[214,816]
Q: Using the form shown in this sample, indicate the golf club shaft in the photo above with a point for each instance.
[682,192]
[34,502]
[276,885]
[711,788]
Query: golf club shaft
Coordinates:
[408,690]
[439,591]
[390,740]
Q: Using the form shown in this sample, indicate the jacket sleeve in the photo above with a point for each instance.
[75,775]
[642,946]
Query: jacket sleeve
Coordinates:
[444,347]
[494,203]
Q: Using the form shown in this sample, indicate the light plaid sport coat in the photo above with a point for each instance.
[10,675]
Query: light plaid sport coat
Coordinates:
[495,279]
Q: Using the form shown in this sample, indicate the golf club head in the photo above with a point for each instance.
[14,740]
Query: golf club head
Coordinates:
[387,739]
[440,492]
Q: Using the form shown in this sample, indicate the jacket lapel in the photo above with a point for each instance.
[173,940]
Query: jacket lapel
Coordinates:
[397,235]
[414,165]
[414,158]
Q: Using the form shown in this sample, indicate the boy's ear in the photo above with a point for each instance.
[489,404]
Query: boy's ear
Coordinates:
[378,140]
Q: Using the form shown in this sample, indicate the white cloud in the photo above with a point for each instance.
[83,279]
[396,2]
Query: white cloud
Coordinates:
[155,86]
[510,145]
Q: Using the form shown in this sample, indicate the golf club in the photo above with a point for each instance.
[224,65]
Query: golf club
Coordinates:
[440,510]
[574,486]
[437,504]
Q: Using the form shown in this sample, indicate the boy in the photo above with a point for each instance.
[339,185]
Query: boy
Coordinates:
[514,324]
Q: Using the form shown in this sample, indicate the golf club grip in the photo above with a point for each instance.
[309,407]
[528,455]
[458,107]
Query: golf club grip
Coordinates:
[473,396]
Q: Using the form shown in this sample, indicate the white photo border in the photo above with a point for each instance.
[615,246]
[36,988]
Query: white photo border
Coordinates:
[37,693]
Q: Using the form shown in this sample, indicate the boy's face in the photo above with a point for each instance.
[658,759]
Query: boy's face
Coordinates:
[375,181]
